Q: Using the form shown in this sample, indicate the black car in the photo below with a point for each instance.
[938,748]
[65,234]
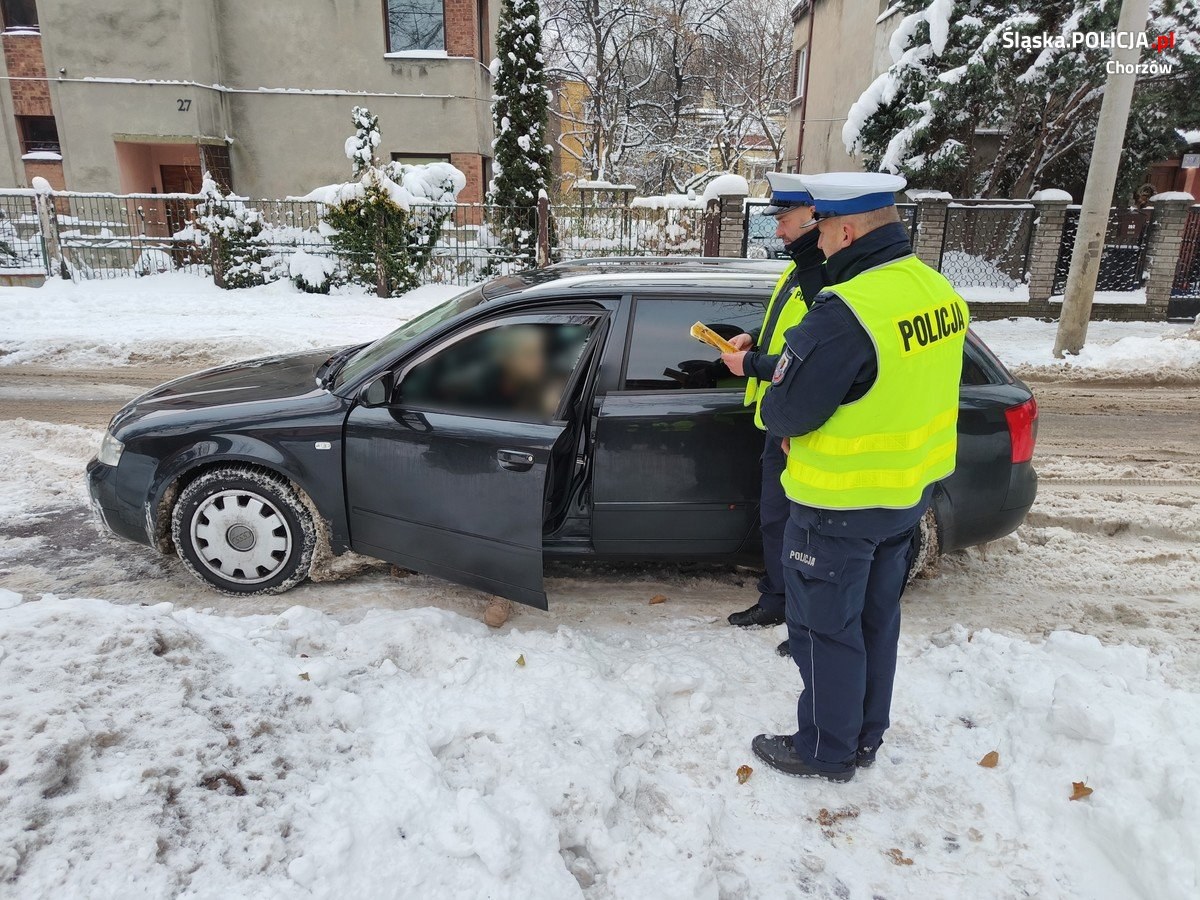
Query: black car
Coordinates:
[563,412]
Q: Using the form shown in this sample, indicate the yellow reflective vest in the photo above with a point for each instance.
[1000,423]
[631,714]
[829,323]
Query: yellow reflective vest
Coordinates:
[884,449]
[794,308]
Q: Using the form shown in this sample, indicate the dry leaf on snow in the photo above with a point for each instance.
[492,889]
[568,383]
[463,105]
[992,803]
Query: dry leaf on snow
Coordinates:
[744,773]
[658,598]
[991,760]
[1079,790]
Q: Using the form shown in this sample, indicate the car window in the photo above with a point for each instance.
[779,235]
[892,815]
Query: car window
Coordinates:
[664,356]
[515,370]
[370,357]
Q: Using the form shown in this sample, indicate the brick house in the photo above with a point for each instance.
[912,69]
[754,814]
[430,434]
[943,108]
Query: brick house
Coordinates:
[135,96]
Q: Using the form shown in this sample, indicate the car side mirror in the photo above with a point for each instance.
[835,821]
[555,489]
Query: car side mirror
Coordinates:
[378,391]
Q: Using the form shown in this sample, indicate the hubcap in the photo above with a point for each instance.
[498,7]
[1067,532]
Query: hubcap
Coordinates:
[241,536]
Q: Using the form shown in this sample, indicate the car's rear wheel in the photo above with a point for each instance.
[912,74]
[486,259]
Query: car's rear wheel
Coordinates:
[925,547]
[243,531]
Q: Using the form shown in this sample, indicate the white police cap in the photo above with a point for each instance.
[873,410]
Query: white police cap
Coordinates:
[846,193]
[787,192]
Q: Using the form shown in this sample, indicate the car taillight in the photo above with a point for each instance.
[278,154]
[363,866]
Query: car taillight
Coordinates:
[1022,429]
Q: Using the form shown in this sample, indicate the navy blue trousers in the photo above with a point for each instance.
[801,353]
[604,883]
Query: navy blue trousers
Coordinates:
[773,510]
[843,618]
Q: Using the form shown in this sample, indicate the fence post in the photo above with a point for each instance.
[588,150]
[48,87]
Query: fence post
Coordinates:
[543,234]
[710,229]
[48,222]
[1166,245]
[1043,252]
[733,224]
[930,225]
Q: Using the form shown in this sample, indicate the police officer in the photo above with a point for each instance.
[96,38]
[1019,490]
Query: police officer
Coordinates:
[791,206]
[865,396]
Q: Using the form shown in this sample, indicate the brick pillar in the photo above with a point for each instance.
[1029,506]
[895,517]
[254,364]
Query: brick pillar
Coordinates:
[733,225]
[462,28]
[930,230]
[31,96]
[1162,254]
[1044,246]
[471,165]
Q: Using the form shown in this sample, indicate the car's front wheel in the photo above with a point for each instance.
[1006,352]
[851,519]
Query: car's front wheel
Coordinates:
[244,531]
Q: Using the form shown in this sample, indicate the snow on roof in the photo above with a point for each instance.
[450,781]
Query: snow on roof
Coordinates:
[1192,136]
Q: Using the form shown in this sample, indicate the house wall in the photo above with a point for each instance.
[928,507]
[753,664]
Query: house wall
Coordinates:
[848,51]
[295,67]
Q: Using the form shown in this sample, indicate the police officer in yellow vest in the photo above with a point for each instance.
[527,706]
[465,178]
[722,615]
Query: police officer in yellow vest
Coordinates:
[758,354]
[865,397]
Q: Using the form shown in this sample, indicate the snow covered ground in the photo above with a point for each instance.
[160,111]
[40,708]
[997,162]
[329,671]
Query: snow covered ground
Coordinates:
[1151,351]
[378,739]
[416,753]
[124,321]
[371,738]
[184,318]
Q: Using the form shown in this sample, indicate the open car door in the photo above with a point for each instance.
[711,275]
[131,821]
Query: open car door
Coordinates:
[446,471]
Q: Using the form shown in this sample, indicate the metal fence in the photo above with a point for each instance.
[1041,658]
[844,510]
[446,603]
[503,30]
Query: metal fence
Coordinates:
[113,236]
[1123,259]
[583,233]
[986,245]
[1185,288]
[108,236]
[22,249]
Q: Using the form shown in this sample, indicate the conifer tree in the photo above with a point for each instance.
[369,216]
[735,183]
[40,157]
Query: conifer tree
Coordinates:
[520,107]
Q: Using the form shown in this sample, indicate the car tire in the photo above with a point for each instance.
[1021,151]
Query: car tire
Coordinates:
[925,548]
[244,531]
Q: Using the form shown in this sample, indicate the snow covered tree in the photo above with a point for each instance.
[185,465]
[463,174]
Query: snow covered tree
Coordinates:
[520,111]
[955,77]
[360,146]
[384,224]
[233,235]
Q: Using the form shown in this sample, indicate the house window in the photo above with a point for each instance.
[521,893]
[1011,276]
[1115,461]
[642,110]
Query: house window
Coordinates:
[415,25]
[420,159]
[19,13]
[798,75]
[38,134]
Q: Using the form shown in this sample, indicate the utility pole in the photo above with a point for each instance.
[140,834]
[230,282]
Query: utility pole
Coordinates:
[1102,177]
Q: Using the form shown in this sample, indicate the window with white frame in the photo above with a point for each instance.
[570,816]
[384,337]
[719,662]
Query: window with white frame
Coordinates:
[798,75]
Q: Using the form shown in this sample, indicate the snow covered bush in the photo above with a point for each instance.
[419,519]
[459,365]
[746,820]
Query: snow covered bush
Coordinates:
[239,254]
[311,273]
[520,110]
[384,224]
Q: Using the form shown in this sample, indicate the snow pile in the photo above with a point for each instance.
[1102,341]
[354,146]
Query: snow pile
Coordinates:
[1050,194]
[726,185]
[185,318]
[418,752]
[1152,351]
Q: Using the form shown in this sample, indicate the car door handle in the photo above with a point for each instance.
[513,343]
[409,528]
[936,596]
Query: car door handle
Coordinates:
[515,460]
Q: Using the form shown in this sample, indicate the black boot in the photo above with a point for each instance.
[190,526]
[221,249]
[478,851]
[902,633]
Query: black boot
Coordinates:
[865,757]
[777,752]
[755,615]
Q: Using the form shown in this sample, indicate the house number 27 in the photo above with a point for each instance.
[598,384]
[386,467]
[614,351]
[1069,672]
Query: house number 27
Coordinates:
[184,105]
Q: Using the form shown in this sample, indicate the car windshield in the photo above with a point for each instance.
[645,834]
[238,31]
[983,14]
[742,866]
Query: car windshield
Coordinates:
[370,356]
